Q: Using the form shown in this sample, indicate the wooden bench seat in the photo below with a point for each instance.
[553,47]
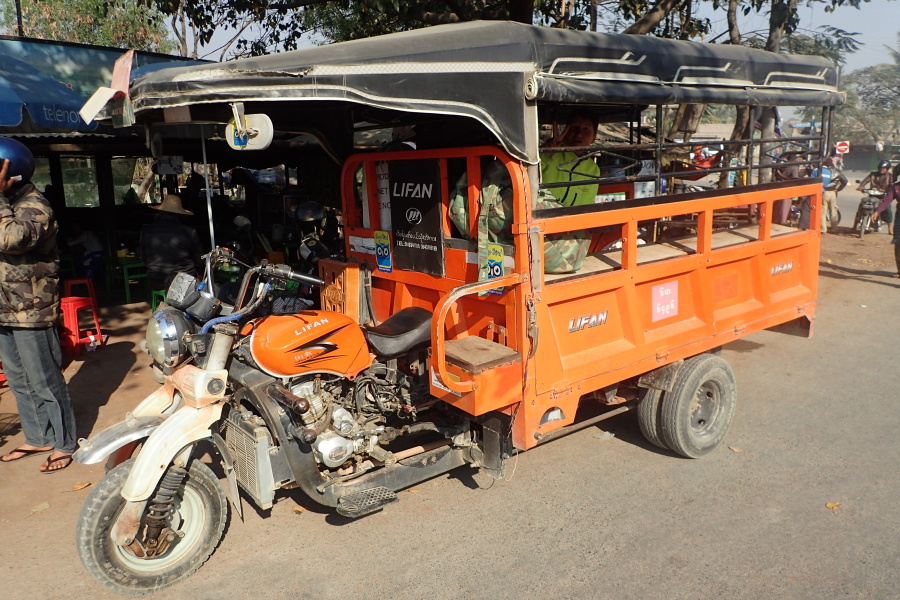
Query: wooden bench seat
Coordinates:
[600,262]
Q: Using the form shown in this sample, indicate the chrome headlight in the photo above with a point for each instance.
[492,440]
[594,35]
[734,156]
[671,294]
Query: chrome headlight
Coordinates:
[165,336]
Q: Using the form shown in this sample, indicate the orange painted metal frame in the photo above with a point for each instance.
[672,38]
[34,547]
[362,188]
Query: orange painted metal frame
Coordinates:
[720,293]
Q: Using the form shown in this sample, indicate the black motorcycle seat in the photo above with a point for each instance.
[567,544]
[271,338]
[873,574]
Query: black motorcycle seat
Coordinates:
[408,329]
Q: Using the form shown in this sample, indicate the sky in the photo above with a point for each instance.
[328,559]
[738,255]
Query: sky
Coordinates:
[877,22]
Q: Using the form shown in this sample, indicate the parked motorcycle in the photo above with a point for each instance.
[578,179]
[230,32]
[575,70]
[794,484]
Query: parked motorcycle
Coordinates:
[866,210]
[309,400]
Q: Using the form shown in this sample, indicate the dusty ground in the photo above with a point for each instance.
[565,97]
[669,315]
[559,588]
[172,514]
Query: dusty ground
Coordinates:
[587,516]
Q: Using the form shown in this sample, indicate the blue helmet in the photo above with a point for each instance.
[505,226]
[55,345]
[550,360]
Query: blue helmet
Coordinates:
[21,160]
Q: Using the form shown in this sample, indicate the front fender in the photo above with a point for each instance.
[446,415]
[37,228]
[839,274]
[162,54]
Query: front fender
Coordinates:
[115,436]
[186,426]
[139,423]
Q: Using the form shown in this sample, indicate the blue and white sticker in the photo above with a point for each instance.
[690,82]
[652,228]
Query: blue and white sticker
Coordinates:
[495,266]
[383,251]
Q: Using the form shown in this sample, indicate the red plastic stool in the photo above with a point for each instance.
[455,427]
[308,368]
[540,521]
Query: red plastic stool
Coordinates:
[68,284]
[72,338]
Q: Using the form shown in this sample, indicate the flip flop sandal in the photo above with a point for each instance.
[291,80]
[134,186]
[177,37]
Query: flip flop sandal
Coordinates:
[50,461]
[25,452]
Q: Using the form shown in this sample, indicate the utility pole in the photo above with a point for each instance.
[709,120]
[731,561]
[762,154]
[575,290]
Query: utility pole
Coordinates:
[19,18]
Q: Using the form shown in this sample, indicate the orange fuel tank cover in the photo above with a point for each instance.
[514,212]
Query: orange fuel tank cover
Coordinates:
[309,342]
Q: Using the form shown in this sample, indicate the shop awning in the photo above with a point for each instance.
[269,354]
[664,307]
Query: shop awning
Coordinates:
[48,103]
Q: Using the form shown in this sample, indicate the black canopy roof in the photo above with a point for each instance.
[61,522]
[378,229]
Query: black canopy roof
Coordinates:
[488,70]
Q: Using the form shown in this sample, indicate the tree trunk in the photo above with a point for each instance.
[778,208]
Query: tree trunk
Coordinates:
[649,20]
[778,20]
[521,11]
[741,128]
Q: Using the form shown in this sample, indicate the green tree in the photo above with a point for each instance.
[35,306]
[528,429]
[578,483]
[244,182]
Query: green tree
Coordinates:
[119,24]
[872,111]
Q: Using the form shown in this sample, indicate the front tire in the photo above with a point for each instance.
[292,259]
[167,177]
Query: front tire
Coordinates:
[863,225]
[200,511]
[697,411]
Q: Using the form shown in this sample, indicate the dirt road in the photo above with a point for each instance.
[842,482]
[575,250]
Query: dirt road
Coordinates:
[800,502]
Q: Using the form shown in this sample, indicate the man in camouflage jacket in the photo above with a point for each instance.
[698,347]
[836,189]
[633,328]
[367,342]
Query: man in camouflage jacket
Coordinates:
[29,309]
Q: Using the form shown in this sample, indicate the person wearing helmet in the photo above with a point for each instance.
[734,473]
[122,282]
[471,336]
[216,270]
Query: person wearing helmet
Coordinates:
[29,310]
[881,180]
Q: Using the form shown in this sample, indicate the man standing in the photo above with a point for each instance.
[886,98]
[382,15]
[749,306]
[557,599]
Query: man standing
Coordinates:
[29,309]
[833,181]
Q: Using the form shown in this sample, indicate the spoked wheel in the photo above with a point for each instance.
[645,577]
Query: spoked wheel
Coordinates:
[696,413]
[648,413]
[197,519]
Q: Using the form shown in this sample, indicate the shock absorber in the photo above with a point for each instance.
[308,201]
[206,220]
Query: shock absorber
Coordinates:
[159,511]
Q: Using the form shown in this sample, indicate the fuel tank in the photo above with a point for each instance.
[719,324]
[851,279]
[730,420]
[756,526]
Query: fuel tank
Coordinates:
[313,341]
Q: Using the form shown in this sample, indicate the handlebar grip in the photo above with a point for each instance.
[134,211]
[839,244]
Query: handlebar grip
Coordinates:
[285,272]
[308,279]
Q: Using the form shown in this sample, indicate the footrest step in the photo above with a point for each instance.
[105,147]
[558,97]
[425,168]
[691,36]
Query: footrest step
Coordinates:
[365,502]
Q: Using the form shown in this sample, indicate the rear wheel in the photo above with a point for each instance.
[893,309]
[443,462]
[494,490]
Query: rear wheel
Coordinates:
[648,417]
[696,413]
[197,519]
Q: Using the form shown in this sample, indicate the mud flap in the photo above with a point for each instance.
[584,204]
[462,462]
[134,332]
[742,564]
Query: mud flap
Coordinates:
[801,326]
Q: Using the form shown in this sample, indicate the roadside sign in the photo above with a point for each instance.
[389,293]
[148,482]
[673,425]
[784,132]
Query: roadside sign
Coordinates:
[842,147]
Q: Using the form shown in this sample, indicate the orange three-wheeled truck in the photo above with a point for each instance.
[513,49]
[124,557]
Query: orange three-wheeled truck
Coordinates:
[475,307]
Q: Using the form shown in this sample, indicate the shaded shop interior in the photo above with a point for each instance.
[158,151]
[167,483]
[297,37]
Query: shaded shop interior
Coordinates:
[104,179]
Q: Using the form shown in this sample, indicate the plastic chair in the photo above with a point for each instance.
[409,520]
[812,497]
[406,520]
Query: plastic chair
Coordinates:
[72,338]
[68,284]
[156,296]
[133,271]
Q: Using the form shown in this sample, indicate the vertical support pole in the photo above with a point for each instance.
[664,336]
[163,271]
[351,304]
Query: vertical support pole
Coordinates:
[658,153]
[209,211]
[750,150]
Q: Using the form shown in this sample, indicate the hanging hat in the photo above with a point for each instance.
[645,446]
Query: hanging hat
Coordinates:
[172,204]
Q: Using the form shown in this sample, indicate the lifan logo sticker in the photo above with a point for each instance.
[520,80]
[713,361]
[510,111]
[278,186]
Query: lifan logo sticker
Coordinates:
[414,216]
[312,325]
[588,321]
[782,268]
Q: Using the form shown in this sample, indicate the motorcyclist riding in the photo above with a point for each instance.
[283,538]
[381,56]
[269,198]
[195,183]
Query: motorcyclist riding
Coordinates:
[882,180]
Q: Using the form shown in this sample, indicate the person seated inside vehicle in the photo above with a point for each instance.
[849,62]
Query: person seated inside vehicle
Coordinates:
[563,252]
[566,166]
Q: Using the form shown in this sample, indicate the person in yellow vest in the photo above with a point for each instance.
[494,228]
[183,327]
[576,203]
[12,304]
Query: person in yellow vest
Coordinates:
[572,165]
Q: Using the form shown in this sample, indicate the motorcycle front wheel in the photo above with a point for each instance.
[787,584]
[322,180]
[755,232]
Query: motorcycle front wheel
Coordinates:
[199,514]
[863,225]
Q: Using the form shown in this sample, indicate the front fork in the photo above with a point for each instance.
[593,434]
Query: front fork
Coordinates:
[203,394]
[159,534]
[171,444]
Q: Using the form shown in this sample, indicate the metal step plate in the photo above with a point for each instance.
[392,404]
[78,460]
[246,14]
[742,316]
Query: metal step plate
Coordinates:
[365,502]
